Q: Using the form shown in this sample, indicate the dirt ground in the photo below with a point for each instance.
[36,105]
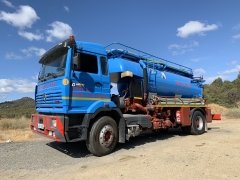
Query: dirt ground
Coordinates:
[213,155]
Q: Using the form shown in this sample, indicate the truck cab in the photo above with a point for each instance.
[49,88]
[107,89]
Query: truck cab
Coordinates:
[73,87]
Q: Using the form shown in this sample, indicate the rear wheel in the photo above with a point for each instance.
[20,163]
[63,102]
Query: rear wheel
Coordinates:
[198,123]
[103,136]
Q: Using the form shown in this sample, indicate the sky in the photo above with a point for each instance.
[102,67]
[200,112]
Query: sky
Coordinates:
[201,34]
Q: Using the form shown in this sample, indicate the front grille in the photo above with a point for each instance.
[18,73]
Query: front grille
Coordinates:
[47,98]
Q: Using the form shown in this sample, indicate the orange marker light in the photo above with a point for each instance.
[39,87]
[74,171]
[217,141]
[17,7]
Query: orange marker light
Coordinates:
[71,37]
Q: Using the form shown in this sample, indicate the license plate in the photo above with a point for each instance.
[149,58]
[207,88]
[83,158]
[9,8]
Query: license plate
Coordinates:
[40,126]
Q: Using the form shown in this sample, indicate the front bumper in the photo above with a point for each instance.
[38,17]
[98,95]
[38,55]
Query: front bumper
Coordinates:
[48,126]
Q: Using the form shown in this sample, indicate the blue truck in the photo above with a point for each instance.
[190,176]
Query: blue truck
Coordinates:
[105,95]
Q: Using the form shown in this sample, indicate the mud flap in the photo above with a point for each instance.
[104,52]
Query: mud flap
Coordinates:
[206,127]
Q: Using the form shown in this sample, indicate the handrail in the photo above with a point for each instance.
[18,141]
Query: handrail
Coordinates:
[146,54]
[169,100]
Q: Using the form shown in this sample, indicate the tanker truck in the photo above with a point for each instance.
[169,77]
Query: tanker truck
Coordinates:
[74,102]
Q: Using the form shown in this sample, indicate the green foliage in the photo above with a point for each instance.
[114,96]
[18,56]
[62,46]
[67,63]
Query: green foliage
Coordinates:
[224,93]
[23,107]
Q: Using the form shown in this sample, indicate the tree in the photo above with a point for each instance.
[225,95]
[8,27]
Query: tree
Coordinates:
[233,96]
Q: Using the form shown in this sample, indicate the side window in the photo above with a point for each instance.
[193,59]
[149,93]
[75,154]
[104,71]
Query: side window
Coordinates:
[88,63]
[104,66]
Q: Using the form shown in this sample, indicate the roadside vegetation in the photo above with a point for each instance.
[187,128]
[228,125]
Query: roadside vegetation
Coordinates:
[19,108]
[233,113]
[15,130]
[224,93]
[13,124]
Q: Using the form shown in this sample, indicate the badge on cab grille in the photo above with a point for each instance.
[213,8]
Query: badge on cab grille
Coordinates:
[44,97]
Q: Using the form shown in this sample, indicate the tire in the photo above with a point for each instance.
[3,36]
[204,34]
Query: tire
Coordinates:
[198,123]
[103,136]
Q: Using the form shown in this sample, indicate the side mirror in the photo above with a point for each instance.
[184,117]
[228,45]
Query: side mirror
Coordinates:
[39,74]
[76,61]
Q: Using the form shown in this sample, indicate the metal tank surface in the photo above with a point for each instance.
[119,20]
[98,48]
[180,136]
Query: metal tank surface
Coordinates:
[170,84]
[165,78]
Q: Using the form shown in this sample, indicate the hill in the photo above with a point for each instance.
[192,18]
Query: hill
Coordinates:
[23,107]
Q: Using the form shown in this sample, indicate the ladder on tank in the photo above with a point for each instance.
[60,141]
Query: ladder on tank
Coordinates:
[152,77]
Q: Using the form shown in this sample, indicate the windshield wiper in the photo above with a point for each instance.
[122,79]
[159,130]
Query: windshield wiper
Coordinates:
[42,79]
[51,74]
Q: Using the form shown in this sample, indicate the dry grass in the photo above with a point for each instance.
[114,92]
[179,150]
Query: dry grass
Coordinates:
[16,135]
[12,124]
[15,129]
[233,113]
[217,109]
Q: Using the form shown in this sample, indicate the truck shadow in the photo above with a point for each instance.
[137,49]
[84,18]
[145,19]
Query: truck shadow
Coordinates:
[79,149]
[75,150]
[149,137]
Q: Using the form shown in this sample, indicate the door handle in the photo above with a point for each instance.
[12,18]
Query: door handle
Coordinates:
[98,84]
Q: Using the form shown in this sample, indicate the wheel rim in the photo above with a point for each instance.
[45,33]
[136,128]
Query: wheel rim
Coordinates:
[106,136]
[199,122]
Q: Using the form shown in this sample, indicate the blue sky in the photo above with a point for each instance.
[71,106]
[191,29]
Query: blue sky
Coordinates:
[201,34]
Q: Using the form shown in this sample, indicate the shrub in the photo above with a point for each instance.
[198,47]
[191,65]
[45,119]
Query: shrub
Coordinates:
[233,113]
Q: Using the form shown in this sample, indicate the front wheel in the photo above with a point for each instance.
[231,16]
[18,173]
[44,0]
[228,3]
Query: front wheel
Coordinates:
[102,137]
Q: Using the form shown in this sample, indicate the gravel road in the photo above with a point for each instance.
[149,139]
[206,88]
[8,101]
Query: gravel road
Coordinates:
[173,155]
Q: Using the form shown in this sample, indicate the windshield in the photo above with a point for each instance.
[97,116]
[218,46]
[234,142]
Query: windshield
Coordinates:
[54,65]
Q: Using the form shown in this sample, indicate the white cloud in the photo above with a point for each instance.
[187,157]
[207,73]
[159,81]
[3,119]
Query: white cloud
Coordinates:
[199,72]
[16,85]
[196,59]
[24,17]
[211,79]
[183,46]
[5,90]
[3,95]
[236,69]
[234,62]
[24,86]
[8,3]
[66,8]
[177,49]
[12,55]
[35,77]
[199,59]
[59,31]
[195,27]
[237,36]
[30,36]
[237,27]
[35,50]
